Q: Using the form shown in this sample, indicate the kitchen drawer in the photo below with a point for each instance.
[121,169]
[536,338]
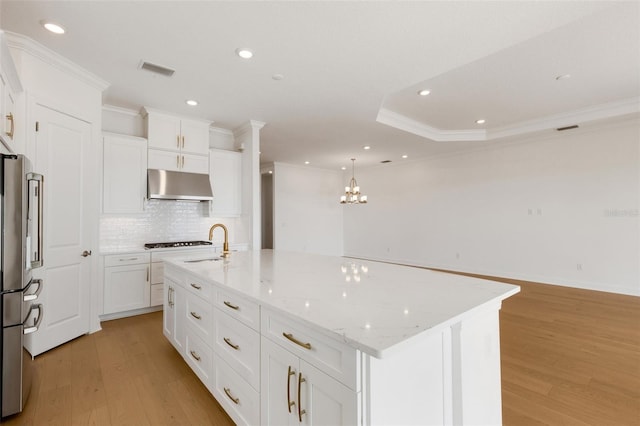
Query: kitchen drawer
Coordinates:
[199,356]
[157,294]
[236,396]
[199,287]
[157,272]
[334,358]
[161,254]
[126,259]
[199,317]
[238,345]
[239,308]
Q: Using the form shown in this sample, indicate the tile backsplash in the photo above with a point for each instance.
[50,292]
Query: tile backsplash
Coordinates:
[165,220]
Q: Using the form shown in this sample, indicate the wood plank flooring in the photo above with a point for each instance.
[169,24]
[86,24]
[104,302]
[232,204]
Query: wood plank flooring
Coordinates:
[569,357]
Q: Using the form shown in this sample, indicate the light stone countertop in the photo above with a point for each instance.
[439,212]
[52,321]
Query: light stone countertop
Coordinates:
[372,306]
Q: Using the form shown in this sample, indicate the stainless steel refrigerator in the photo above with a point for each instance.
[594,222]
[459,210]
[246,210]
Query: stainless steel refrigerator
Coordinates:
[20,253]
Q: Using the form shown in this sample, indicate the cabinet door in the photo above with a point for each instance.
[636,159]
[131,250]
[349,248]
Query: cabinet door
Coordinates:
[169,310]
[125,174]
[325,400]
[195,163]
[163,132]
[164,160]
[126,288]
[195,137]
[179,322]
[278,387]
[225,173]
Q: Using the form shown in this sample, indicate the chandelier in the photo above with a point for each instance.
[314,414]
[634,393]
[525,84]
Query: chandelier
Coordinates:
[352,192]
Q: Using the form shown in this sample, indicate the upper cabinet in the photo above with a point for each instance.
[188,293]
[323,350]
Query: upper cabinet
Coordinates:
[125,173]
[177,143]
[9,88]
[226,183]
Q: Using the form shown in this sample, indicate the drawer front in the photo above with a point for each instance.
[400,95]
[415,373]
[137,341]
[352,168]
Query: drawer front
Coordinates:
[199,356]
[236,396]
[160,255]
[157,273]
[198,287]
[199,317]
[157,294]
[334,358]
[239,308]
[239,345]
[126,259]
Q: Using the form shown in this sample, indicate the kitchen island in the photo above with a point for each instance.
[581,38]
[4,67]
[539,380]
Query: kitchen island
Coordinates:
[283,338]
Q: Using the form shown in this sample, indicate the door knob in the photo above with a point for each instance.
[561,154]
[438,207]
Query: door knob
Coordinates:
[86,253]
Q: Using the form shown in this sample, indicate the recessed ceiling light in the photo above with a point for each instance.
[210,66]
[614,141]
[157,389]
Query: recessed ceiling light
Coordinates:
[244,53]
[53,27]
[343,168]
[306,162]
[424,92]
[191,102]
[366,147]
[481,121]
[405,156]
[563,77]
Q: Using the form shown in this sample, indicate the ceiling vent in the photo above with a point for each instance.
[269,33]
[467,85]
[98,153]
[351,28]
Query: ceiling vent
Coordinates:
[158,69]
[561,129]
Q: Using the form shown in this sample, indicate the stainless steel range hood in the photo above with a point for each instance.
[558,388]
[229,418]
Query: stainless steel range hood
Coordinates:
[169,185]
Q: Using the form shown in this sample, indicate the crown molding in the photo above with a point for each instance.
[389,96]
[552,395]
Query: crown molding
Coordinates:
[8,67]
[402,122]
[583,115]
[248,126]
[35,49]
[221,131]
[121,110]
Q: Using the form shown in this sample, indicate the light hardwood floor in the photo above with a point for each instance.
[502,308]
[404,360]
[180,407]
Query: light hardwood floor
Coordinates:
[569,357]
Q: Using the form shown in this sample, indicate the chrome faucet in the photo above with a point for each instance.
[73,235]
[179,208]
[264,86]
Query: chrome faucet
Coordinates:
[225,245]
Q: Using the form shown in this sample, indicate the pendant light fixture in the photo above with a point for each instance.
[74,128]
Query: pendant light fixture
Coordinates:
[352,192]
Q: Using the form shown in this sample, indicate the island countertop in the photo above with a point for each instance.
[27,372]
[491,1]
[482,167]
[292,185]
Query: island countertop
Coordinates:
[372,306]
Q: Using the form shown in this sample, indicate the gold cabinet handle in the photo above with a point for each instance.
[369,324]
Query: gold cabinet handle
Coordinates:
[147,274]
[234,307]
[290,403]
[300,410]
[183,141]
[195,315]
[10,118]
[177,161]
[228,392]
[195,356]
[296,341]
[178,141]
[196,286]
[228,342]
[183,161]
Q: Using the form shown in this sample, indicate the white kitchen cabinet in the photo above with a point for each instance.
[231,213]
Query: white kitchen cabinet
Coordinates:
[225,173]
[295,392]
[173,317]
[177,162]
[177,143]
[9,88]
[125,173]
[126,282]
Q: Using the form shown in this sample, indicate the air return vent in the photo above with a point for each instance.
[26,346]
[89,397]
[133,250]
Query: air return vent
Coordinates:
[385,161]
[158,69]
[561,129]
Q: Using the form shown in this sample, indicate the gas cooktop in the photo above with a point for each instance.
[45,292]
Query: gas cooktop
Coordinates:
[177,244]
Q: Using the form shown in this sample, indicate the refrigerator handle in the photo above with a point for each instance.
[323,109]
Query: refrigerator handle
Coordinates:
[33,296]
[36,325]
[40,188]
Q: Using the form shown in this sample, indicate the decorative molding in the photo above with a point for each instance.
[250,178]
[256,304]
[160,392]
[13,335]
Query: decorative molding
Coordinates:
[121,110]
[248,126]
[8,67]
[144,111]
[583,115]
[35,49]
[220,130]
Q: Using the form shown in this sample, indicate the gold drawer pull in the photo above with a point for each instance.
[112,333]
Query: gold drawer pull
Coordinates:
[196,286]
[196,316]
[289,401]
[231,306]
[178,140]
[296,341]
[228,342]
[300,410]
[228,392]
[10,118]
[195,356]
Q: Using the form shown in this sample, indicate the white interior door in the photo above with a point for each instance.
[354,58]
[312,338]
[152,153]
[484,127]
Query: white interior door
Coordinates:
[63,157]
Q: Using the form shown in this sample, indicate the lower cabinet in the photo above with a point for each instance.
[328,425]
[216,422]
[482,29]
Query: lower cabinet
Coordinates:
[295,392]
[173,324]
[126,282]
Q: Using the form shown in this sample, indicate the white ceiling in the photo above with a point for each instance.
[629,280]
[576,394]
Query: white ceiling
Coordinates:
[345,62]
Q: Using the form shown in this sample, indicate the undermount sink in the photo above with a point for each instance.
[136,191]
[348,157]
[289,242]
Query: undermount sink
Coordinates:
[208,259]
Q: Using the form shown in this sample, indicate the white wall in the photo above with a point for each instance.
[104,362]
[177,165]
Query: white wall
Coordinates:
[559,209]
[307,213]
